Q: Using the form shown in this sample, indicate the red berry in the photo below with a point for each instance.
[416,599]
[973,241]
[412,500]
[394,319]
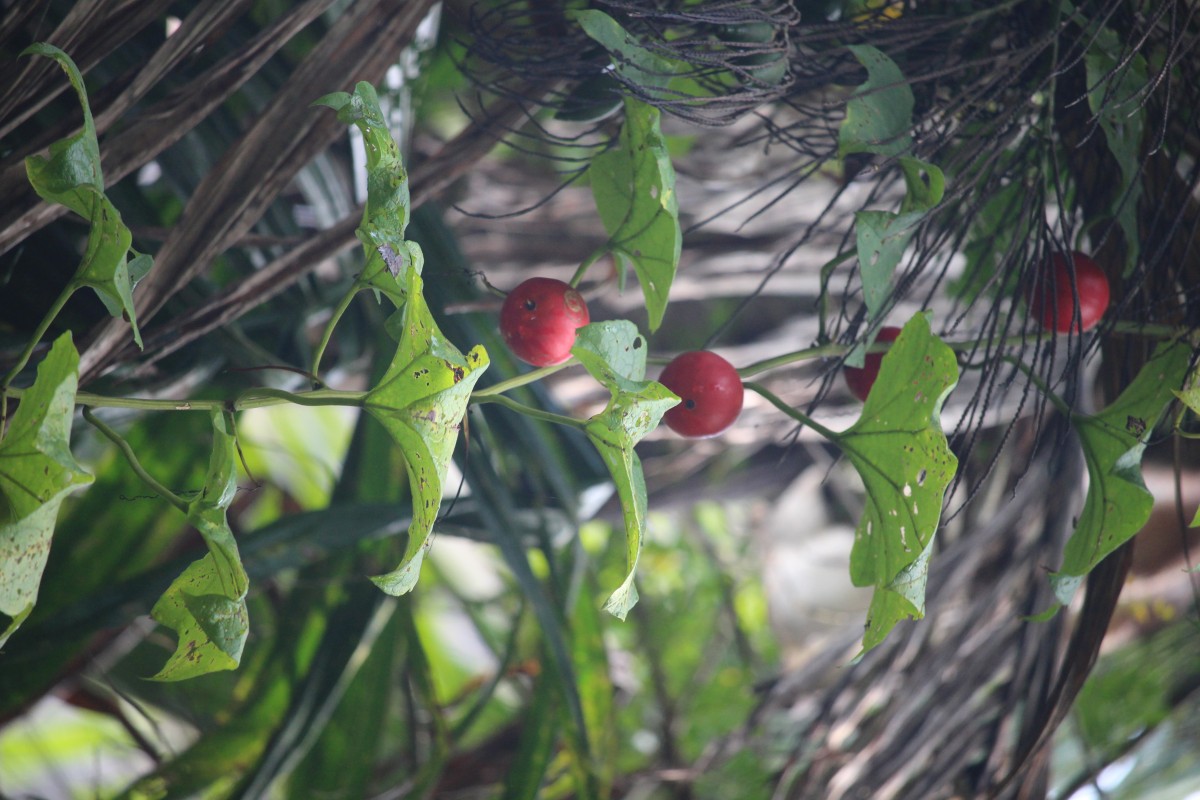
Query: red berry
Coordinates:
[860,380]
[1051,297]
[539,318]
[710,394]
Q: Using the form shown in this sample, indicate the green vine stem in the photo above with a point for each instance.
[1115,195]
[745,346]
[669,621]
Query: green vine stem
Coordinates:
[252,398]
[1042,386]
[127,450]
[799,416]
[835,350]
[586,264]
[480,395]
[327,334]
[535,413]
[27,353]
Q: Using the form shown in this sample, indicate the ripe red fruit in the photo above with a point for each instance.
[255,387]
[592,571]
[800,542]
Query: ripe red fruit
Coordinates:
[710,393]
[860,380]
[539,318]
[1051,297]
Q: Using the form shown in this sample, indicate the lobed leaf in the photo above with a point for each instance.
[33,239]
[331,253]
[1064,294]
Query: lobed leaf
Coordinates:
[1118,503]
[37,472]
[206,605]
[611,353]
[633,184]
[421,402]
[898,448]
[72,177]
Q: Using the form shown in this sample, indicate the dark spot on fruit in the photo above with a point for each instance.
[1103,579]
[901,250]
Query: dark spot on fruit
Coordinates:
[689,403]
[530,305]
[921,477]
[637,343]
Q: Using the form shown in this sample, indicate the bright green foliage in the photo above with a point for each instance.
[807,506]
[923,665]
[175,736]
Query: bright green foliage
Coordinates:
[615,354]
[898,448]
[385,217]
[37,471]
[1116,82]
[879,114]
[634,187]
[421,401]
[1118,503]
[73,178]
[206,605]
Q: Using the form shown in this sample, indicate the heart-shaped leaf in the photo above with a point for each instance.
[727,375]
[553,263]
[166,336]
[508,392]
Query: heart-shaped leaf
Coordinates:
[879,114]
[421,402]
[615,354]
[898,448]
[72,177]
[634,187]
[1118,503]
[37,471]
[882,236]
[206,605]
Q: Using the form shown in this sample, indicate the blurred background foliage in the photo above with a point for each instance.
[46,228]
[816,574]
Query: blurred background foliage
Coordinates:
[499,676]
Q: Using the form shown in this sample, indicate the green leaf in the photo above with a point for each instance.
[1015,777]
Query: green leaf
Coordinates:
[612,349]
[206,605]
[882,236]
[632,61]
[72,177]
[421,401]
[1118,503]
[634,187]
[37,471]
[1117,81]
[611,353]
[879,114]
[386,215]
[898,448]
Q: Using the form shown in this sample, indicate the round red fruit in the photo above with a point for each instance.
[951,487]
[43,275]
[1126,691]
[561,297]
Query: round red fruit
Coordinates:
[861,379]
[710,394]
[539,319]
[1051,295]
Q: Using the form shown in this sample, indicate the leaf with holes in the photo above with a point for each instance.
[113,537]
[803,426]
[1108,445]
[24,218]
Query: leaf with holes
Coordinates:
[1118,503]
[37,472]
[206,605]
[879,113]
[615,355]
[634,187]
[72,177]
[421,402]
[899,450]
[386,215]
